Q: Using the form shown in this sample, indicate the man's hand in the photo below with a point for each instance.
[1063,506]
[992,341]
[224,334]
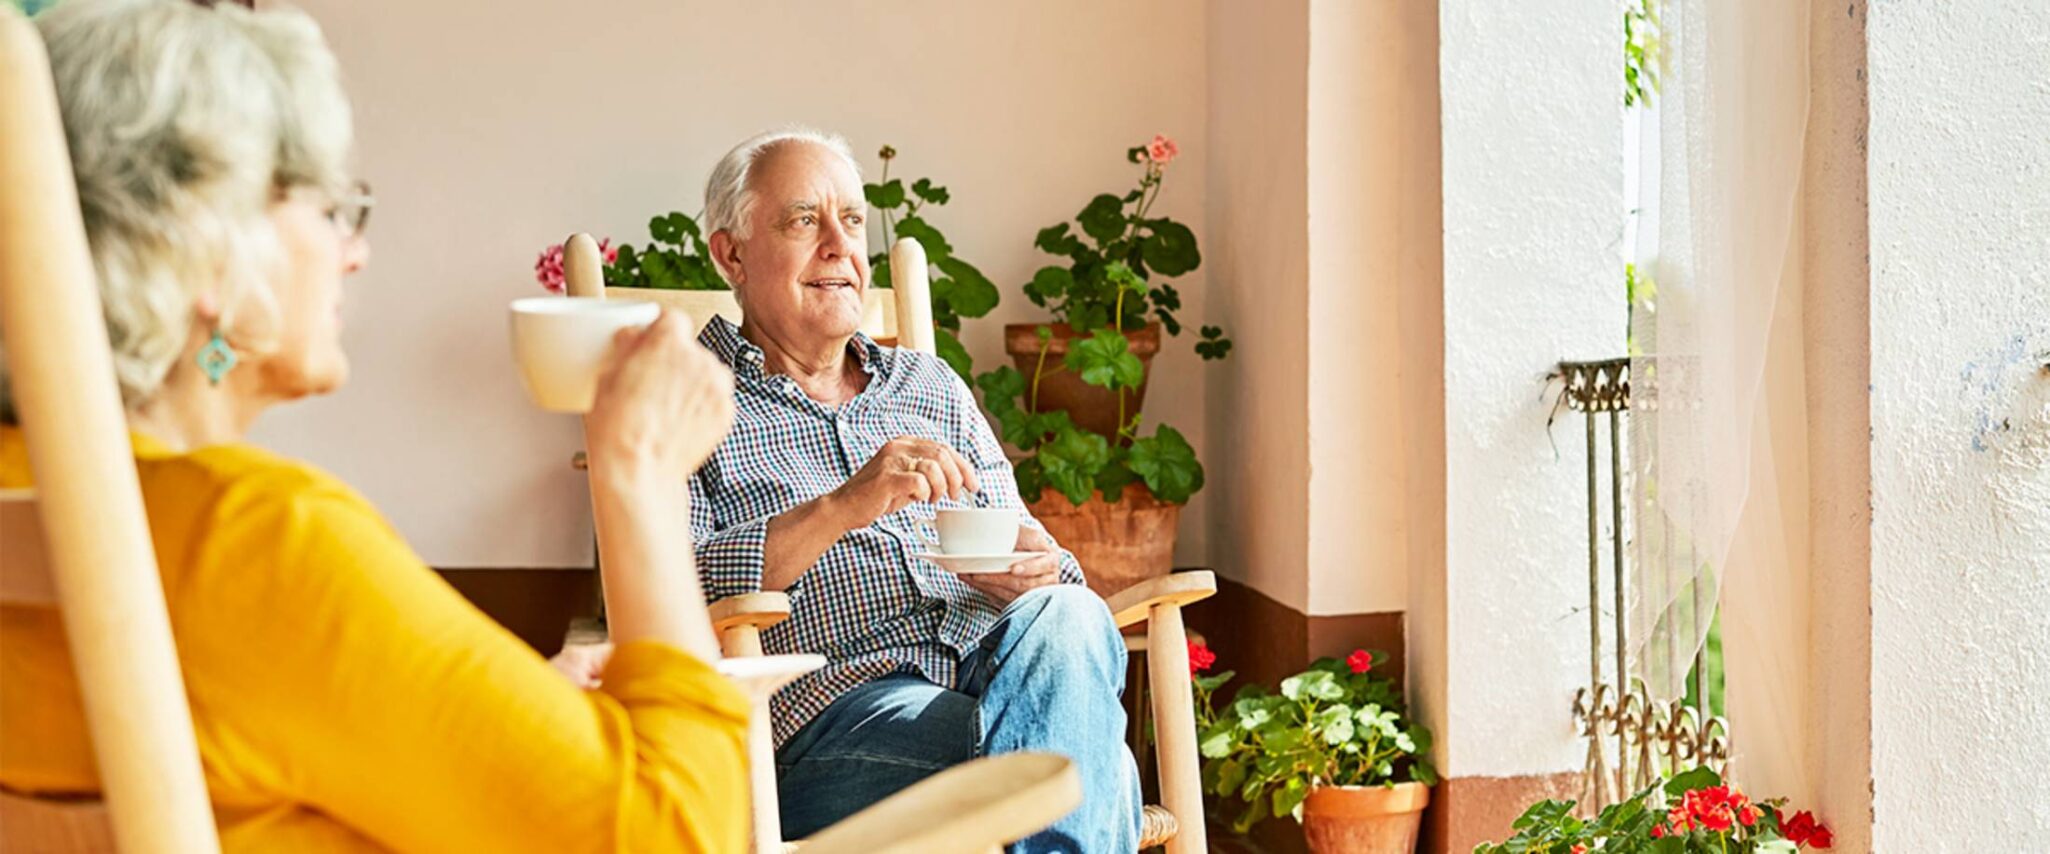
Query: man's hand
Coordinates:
[584,663]
[905,470]
[1032,573]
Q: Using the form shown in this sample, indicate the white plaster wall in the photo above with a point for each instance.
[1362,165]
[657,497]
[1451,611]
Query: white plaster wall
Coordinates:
[1258,260]
[1532,181]
[1960,236]
[1373,125]
[490,132]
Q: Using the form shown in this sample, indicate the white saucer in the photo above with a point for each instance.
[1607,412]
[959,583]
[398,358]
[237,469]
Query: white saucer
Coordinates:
[761,675]
[977,564]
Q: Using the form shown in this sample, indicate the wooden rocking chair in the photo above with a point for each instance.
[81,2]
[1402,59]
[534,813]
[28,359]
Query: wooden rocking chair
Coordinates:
[1157,603]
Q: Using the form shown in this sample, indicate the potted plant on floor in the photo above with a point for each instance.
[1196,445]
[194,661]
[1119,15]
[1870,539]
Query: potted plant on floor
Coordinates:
[1071,402]
[1334,750]
[1696,812]
[675,266]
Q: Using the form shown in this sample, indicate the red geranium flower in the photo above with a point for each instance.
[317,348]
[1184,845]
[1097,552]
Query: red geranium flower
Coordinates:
[1200,658]
[1804,831]
[1360,661]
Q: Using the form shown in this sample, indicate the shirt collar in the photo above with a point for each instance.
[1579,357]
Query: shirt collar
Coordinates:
[723,338]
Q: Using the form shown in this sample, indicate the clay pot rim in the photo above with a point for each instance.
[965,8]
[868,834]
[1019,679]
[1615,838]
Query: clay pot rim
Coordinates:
[1367,801]
[1022,339]
[1136,496]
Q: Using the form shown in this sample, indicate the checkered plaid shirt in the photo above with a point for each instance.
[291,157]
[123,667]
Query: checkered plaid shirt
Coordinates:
[867,605]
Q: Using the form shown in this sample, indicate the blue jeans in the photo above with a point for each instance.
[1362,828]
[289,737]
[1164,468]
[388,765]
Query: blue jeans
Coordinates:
[1047,678]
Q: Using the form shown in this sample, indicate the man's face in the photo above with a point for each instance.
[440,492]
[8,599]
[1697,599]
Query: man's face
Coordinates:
[802,270]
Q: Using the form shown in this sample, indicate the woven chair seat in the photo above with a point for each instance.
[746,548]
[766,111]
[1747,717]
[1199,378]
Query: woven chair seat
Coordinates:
[1157,826]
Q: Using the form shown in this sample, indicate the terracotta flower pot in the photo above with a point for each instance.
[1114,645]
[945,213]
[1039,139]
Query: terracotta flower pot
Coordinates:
[1092,408]
[1119,543]
[1365,819]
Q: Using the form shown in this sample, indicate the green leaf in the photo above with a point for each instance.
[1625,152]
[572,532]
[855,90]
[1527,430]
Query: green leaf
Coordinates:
[1170,248]
[1687,781]
[1167,298]
[1072,461]
[1168,465]
[885,196]
[1055,240]
[668,228]
[1104,360]
[925,189]
[1288,800]
[1103,219]
[1292,687]
[1321,686]
[1049,283]
[1230,775]
[1004,383]
[879,271]
[955,355]
[1423,772]
[1217,743]
[1335,722]
[936,246]
[974,295]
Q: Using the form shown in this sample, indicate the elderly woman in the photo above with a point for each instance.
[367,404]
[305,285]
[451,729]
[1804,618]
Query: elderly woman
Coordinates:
[841,451]
[346,699]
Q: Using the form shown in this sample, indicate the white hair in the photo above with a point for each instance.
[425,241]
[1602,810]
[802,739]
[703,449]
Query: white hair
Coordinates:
[184,123]
[729,194]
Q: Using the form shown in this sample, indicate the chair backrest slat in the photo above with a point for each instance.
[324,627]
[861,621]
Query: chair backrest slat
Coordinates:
[95,534]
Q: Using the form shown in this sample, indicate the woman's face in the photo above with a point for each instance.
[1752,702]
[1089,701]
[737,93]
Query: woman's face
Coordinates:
[322,243]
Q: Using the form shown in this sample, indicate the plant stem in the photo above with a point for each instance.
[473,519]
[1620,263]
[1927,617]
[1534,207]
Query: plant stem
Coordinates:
[1120,315]
[1037,372]
[886,213]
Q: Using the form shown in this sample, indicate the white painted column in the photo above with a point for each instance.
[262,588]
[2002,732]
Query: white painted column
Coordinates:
[1960,237]
[1531,118]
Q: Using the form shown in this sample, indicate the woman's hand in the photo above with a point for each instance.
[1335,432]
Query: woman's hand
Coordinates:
[663,403]
[583,663]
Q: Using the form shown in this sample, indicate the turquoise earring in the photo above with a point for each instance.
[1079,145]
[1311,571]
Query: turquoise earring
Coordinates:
[216,358]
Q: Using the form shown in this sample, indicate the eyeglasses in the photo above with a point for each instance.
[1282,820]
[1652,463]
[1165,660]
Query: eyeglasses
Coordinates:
[351,212]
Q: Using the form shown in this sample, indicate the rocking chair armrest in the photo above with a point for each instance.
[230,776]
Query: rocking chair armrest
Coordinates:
[759,610]
[975,806]
[1134,604]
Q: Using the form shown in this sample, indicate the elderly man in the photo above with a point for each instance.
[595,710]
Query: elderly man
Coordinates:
[841,451]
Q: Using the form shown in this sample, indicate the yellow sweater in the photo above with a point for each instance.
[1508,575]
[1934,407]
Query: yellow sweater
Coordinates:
[346,699]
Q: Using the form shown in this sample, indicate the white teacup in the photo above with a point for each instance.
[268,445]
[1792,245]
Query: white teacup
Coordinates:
[561,343]
[985,531]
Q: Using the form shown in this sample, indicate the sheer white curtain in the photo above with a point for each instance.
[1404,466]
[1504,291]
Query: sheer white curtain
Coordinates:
[1718,425]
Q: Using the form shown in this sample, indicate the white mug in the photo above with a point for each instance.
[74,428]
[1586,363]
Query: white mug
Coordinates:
[980,531]
[561,343]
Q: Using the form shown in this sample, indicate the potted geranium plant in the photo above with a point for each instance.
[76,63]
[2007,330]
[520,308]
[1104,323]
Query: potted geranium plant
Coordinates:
[676,262]
[1071,402]
[1334,750]
[1695,812]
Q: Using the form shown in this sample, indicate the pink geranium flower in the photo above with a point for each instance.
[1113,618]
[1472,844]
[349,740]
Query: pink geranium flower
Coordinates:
[1162,150]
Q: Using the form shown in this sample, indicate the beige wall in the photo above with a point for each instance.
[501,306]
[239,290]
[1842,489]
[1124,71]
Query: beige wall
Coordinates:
[490,131]
[1258,266]
[1374,226]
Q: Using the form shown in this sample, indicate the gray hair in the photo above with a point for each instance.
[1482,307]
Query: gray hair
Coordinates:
[728,194]
[183,124]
